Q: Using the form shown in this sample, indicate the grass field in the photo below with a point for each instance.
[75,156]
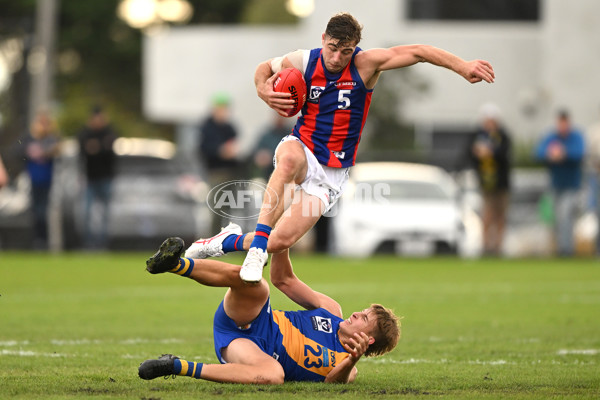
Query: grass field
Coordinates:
[78,325]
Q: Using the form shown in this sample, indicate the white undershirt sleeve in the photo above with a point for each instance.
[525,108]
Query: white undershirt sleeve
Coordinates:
[298,58]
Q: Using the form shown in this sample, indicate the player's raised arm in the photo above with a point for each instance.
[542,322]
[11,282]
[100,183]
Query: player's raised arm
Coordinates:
[376,60]
[282,276]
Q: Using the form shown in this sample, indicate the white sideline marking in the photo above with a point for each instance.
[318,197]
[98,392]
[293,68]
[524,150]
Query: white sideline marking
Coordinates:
[440,361]
[29,353]
[72,342]
[493,362]
[13,343]
[585,352]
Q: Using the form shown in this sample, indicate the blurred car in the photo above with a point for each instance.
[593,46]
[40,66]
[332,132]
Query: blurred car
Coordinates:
[410,209]
[156,194]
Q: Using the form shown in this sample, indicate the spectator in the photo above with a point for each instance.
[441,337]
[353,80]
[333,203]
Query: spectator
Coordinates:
[594,169]
[218,144]
[265,149]
[41,147]
[562,150]
[489,152]
[219,148]
[96,141]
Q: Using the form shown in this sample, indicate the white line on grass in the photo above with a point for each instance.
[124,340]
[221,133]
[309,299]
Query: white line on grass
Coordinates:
[585,352]
[75,342]
[8,343]
[29,353]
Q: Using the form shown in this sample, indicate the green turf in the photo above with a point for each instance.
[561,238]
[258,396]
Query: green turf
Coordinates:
[78,325]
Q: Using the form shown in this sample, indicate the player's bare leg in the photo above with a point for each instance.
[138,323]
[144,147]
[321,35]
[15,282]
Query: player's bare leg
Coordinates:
[242,303]
[290,170]
[296,221]
[246,363]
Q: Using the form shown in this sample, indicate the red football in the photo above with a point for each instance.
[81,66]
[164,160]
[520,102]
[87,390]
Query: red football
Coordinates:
[290,80]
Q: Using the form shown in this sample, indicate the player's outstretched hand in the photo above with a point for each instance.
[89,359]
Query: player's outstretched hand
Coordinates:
[479,70]
[356,346]
[280,102]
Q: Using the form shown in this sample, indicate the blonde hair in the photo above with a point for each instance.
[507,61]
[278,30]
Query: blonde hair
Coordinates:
[387,333]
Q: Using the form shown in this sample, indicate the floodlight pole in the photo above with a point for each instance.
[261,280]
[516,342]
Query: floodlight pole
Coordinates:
[42,74]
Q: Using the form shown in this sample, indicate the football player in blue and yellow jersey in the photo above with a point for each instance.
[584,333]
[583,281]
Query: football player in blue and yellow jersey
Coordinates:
[313,161]
[257,344]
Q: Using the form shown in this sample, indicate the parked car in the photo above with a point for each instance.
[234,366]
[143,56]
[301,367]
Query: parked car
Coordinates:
[410,209]
[156,194]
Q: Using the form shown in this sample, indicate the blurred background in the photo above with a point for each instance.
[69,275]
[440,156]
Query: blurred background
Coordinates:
[135,86]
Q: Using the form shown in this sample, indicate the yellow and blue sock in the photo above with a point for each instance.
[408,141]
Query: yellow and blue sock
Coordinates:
[261,237]
[233,243]
[187,368]
[184,268]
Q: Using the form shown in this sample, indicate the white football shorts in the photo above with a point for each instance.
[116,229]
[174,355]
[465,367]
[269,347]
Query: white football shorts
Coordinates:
[324,182]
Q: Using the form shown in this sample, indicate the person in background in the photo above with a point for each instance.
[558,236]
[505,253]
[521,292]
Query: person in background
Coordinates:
[96,141]
[593,153]
[219,149]
[490,154]
[262,156]
[562,150]
[41,147]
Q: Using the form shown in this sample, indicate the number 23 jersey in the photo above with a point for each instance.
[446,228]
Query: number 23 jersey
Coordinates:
[306,343]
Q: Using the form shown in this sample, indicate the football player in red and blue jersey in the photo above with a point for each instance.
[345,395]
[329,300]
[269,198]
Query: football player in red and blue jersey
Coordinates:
[257,344]
[311,164]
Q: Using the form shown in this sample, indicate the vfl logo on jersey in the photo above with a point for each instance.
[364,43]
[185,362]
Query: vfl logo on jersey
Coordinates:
[339,154]
[321,324]
[315,93]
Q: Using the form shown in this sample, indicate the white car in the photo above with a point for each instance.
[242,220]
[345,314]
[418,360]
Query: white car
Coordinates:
[410,209]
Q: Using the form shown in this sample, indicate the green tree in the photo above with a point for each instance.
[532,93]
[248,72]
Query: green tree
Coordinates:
[388,134]
[99,59]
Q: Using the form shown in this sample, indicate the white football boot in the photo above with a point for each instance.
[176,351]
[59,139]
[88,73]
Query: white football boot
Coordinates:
[252,268]
[212,247]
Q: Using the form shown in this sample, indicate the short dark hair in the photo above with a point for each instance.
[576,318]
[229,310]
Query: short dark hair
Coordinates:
[345,28]
[96,109]
[563,113]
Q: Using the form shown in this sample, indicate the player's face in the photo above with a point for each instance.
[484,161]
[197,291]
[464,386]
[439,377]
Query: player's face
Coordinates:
[361,321]
[336,56]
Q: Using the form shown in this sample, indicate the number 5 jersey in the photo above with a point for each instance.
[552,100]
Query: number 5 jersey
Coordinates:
[335,111]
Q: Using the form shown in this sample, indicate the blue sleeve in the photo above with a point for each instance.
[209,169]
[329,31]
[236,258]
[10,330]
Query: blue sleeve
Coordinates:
[540,150]
[575,147]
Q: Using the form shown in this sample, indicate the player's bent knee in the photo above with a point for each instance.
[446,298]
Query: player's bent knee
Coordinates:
[279,244]
[270,375]
[289,163]
[269,380]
